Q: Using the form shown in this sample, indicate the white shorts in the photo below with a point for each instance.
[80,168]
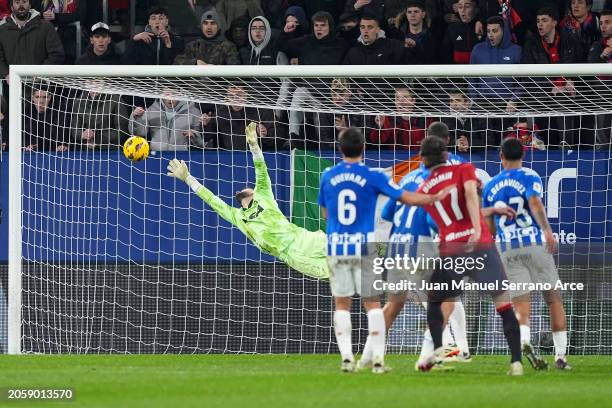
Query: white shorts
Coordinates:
[531,264]
[422,273]
[349,275]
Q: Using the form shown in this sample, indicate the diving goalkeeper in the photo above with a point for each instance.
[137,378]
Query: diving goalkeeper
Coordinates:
[260,219]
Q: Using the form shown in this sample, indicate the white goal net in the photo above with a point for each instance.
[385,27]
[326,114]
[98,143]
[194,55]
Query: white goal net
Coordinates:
[110,256]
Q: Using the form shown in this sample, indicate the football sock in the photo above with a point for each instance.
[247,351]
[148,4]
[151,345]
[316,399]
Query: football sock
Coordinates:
[560,341]
[342,327]
[435,321]
[525,334]
[376,327]
[511,331]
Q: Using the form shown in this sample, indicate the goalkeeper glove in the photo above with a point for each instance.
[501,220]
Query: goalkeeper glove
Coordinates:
[178,169]
[251,136]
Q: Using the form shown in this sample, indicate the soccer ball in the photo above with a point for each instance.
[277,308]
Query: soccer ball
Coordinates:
[136,148]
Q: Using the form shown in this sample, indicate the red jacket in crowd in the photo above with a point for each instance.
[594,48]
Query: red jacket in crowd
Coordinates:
[404,133]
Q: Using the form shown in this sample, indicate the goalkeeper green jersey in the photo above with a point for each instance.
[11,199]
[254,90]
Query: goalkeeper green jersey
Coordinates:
[268,228]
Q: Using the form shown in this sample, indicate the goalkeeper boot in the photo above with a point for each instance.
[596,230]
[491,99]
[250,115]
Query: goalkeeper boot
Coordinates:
[537,362]
[347,366]
[516,368]
[561,364]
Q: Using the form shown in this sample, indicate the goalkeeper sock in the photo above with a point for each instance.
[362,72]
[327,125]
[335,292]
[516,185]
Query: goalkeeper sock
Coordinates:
[525,334]
[342,327]
[376,327]
[435,320]
[457,323]
[560,341]
[511,331]
[427,348]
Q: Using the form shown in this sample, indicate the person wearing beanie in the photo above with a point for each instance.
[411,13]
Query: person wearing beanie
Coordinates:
[212,48]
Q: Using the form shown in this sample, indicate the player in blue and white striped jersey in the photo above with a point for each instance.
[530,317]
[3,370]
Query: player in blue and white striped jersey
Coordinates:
[527,244]
[412,234]
[347,198]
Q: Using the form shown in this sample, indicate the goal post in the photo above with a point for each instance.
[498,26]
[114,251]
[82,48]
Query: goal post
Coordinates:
[207,85]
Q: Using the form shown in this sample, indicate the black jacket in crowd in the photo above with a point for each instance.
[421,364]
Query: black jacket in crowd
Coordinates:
[383,51]
[156,53]
[570,50]
[110,57]
[45,130]
[458,42]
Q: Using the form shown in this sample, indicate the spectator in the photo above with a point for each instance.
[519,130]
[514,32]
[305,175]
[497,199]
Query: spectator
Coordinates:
[295,24]
[466,133]
[238,32]
[463,35]
[156,45]
[98,121]
[213,48]
[402,130]
[374,48]
[5,9]
[230,10]
[169,124]
[412,26]
[63,14]
[101,50]
[527,131]
[553,47]
[261,51]
[228,127]
[511,11]
[43,124]
[348,29]
[372,8]
[27,39]
[320,48]
[325,135]
[601,52]
[581,22]
[498,48]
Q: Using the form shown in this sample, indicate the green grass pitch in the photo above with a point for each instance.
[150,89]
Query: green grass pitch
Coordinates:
[292,381]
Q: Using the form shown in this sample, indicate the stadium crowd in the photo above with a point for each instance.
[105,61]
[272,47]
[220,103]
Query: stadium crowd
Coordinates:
[325,32]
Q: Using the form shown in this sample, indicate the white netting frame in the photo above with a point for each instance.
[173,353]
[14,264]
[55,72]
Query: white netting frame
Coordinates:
[307,108]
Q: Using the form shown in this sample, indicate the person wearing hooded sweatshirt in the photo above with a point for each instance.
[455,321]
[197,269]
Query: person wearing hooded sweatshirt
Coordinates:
[261,50]
[499,49]
[101,50]
[212,48]
[171,124]
[27,39]
[156,45]
[295,25]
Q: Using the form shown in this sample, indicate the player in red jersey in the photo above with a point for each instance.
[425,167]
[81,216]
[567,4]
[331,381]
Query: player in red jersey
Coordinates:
[466,248]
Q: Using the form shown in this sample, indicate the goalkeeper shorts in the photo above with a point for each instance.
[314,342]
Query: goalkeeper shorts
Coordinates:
[307,254]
